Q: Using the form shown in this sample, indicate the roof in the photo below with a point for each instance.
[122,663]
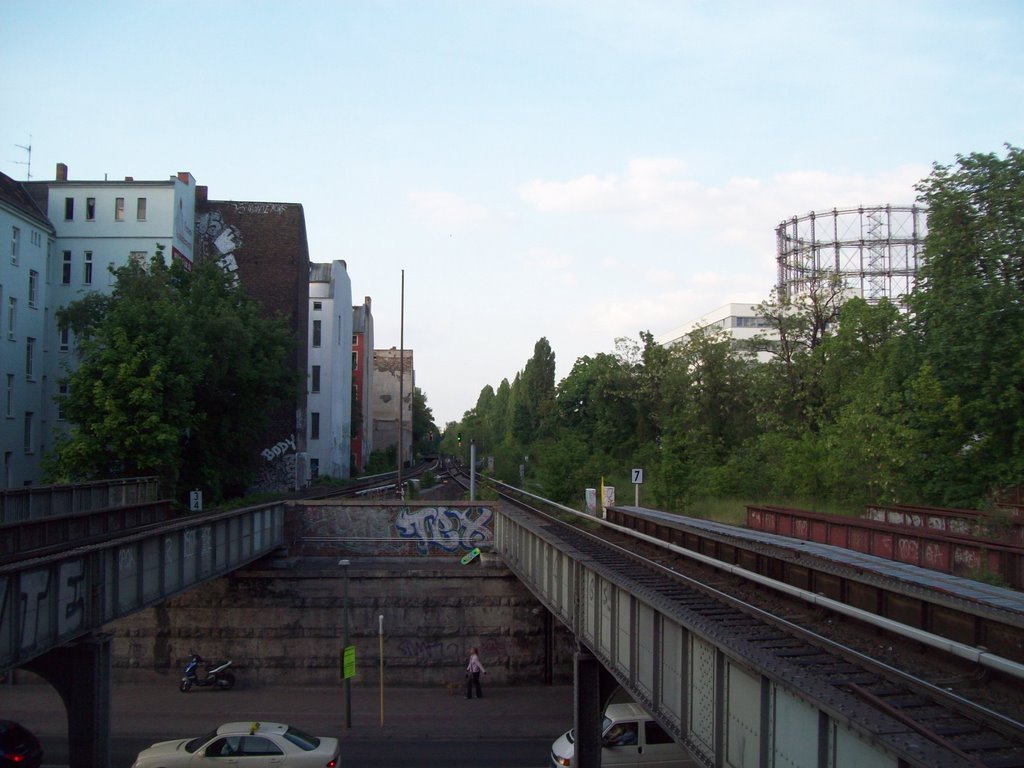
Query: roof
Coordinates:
[14,194]
[251,727]
[625,711]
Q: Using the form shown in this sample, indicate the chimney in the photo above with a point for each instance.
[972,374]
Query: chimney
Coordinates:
[185,177]
[62,172]
[129,178]
[201,193]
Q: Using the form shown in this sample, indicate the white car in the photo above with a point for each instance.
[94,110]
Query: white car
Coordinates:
[629,736]
[246,745]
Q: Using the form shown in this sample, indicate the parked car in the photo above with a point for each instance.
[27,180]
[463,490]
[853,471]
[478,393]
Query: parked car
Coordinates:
[19,748]
[244,744]
[629,736]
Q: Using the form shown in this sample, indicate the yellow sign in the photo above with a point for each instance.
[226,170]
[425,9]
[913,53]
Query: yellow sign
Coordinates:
[349,662]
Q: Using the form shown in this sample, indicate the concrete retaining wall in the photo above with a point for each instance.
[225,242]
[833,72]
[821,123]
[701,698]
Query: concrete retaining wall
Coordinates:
[283,619]
[287,624]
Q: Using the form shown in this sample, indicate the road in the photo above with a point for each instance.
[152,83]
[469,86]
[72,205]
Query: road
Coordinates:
[511,727]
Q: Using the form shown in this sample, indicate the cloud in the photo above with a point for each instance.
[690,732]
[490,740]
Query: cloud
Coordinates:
[654,194]
[445,211]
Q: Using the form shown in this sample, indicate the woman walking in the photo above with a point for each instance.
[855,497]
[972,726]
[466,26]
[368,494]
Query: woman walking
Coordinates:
[473,670]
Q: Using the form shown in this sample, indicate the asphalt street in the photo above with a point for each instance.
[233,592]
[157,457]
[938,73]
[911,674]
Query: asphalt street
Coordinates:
[510,727]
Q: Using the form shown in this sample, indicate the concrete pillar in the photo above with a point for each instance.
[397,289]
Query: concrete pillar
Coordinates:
[587,714]
[80,673]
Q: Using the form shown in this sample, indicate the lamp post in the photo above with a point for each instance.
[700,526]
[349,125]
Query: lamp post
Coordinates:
[348,681]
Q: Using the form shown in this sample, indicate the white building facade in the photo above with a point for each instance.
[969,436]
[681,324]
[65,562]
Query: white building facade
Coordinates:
[94,226]
[329,396]
[24,319]
[739,321]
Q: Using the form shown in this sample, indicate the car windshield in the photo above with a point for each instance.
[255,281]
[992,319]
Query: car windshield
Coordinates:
[194,744]
[571,735]
[301,739]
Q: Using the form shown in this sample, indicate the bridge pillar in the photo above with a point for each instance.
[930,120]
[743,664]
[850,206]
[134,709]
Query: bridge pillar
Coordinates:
[80,673]
[587,712]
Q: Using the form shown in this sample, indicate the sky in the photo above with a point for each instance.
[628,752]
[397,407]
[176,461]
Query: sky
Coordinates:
[579,171]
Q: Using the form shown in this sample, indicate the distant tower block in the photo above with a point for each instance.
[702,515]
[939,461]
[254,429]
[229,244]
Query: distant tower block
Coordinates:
[876,251]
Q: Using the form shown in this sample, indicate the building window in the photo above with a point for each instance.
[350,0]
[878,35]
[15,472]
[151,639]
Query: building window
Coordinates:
[316,333]
[30,358]
[315,383]
[10,396]
[65,272]
[63,393]
[317,306]
[69,208]
[87,277]
[65,339]
[15,244]
[119,209]
[33,287]
[314,469]
[29,441]
[140,209]
[90,208]
[37,238]
[355,362]
[314,425]
[12,314]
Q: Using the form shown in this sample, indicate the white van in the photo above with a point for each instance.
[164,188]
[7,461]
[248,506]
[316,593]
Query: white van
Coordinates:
[629,736]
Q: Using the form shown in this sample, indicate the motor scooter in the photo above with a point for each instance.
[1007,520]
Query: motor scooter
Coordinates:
[216,675]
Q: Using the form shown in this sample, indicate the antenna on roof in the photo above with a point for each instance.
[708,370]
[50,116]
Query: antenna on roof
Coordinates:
[26,162]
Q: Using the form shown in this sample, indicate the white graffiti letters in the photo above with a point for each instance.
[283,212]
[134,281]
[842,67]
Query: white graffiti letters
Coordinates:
[280,449]
[71,597]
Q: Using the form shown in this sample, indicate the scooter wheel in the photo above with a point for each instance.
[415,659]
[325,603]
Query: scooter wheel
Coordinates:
[227,681]
[185,686]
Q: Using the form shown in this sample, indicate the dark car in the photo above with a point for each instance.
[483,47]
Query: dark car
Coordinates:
[18,747]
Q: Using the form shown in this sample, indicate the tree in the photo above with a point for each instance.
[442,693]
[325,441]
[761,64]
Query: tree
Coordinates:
[176,373]
[968,320]
[425,435]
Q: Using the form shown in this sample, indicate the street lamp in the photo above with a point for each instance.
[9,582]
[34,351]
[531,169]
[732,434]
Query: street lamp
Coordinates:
[348,681]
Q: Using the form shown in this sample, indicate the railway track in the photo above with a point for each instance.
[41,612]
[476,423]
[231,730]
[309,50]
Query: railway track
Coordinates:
[925,723]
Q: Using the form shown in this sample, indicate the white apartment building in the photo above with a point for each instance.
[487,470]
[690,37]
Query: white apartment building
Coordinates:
[24,319]
[737,320]
[91,227]
[329,397]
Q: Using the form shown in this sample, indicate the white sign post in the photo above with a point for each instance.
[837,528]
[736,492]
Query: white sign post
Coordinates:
[638,480]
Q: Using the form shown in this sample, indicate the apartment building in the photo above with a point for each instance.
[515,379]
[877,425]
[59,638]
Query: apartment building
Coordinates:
[393,383]
[24,319]
[329,432]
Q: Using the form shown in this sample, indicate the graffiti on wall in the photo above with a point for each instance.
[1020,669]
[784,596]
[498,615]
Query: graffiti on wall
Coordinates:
[279,449]
[31,598]
[220,241]
[392,530]
[445,528]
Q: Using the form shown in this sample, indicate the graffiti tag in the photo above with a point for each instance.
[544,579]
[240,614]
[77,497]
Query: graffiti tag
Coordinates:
[280,449]
[445,528]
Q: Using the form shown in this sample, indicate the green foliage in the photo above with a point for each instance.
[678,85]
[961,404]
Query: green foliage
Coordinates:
[382,461]
[850,403]
[175,375]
